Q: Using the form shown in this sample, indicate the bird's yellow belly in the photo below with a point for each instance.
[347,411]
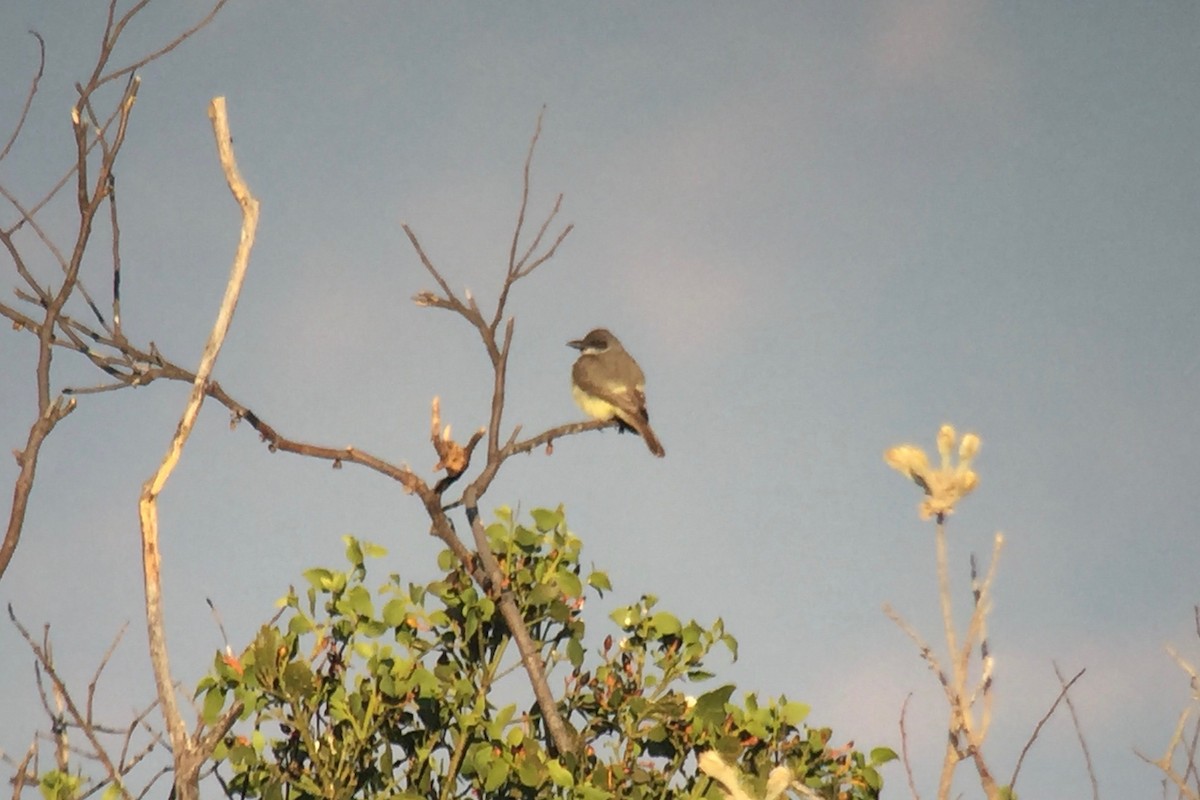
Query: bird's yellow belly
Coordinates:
[594,407]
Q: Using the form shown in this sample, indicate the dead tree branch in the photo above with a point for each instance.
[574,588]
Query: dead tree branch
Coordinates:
[190,752]
[33,89]
[965,730]
[498,346]
[67,714]
[128,364]
[1065,687]
[91,193]
[1185,778]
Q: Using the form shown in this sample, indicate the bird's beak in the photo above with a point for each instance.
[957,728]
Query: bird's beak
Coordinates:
[576,343]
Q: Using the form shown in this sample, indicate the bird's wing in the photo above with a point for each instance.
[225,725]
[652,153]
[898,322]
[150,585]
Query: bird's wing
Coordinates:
[595,381]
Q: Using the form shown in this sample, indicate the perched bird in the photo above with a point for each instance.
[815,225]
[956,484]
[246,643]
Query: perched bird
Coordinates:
[609,384]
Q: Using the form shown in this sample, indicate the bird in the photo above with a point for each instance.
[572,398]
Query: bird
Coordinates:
[608,384]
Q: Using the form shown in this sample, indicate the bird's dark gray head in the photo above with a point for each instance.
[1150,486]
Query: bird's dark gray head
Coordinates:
[597,341]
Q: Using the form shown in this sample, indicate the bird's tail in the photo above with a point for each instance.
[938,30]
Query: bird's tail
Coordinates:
[647,433]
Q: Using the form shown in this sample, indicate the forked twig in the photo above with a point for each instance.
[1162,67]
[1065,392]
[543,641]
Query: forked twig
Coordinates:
[1041,722]
[1087,756]
[62,695]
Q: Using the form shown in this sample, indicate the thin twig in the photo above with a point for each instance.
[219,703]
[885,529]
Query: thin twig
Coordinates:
[22,777]
[512,251]
[160,52]
[91,694]
[90,731]
[925,650]
[1087,756]
[912,783]
[33,90]
[1041,722]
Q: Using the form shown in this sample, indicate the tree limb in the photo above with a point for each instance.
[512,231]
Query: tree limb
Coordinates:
[190,753]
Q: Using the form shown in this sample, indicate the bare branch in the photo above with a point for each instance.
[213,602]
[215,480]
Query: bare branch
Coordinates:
[512,251]
[489,576]
[89,730]
[1087,756]
[33,89]
[452,301]
[548,437]
[925,650]
[189,754]
[51,412]
[519,268]
[1041,722]
[22,777]
[112,34]
[912,784]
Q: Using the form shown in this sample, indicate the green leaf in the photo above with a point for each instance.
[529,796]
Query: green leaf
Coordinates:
[358,600]
[496,725]
[297,678]
[560,774]
[542,593]
[497,773]
[574,652]
[731,644]
[319,577]
[374,550]
[882,755]
[569,583]
[214,701]
[794,713]
[446,560]
[395,611]
[526,537]
[498,532]
[354,553]
[710,706]
[627,618]
[530,772]
[57,785]
[599,581]
[545,519]
[372,628]
[666,624]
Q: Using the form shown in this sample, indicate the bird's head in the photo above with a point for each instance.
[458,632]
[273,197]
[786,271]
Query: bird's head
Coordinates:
[597,341]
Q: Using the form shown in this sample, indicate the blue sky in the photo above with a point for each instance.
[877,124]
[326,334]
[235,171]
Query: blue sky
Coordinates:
[822,228]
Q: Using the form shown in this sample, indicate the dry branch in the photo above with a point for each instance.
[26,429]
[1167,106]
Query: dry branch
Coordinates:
[965,734]
[127,364]
[90,195]
[68,714]
[191,752]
